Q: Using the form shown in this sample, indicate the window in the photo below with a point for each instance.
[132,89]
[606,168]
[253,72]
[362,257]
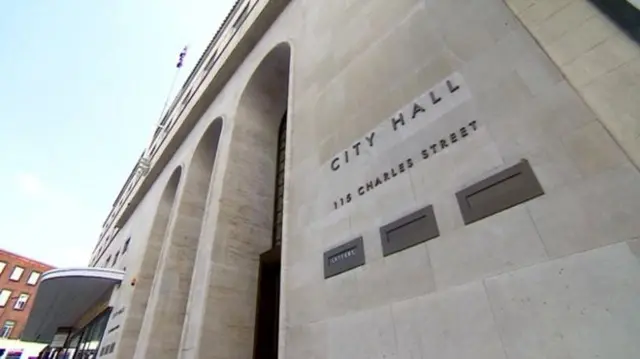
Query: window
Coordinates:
[126,245]
[17,273]
[154,148]
[156,133]
[243,15]
[106,264]
[5,332]
[279,200]
[115,259]
[33,278]
[21,302]
[3,265]
[5,294]
[211,61]
[187,97]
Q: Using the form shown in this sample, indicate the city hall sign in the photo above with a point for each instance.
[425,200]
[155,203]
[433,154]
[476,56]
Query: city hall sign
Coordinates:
[416,116]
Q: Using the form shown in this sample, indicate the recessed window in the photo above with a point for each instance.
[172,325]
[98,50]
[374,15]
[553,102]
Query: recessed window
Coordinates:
[211,61]
[17,273]
[106,264]
[21,302]
[243,15]
[156,133]
[33,278]
[5,294]
[3,265]
[7,328]
[187,97]
[126,245]
[154,149]
[279,200]
[115,259]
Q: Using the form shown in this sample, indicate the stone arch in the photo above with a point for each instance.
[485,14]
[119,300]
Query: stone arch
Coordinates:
[145,275]
[163,323]
[245,217]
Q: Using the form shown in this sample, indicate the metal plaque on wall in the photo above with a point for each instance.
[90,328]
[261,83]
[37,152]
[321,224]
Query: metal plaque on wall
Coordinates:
[344,258]
[408,231]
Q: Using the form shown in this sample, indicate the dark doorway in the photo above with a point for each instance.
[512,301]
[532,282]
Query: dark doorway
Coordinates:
[265,342]
[268,308]
[625,15]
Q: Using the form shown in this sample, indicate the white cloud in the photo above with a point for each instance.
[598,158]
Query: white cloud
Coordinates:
[54,227]
[29,184]
[32,186]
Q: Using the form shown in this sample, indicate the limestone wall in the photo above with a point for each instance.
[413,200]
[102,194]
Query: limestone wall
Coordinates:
[553,277]
[597,58]
[394,106]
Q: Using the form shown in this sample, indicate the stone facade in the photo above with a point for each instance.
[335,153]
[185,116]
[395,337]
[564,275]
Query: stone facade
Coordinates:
[393,106]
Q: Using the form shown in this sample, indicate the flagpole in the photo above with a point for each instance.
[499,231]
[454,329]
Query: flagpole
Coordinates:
[166,101]
[145,158]
[181,57]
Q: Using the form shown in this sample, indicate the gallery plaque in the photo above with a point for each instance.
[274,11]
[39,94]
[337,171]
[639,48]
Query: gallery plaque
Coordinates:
[503,190]
[408,231]
[344,258]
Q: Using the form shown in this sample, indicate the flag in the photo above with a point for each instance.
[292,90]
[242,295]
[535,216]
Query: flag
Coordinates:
[181,57]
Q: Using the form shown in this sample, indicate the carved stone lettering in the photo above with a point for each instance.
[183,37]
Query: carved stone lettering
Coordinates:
[403,125]
[450,89]
[427,152]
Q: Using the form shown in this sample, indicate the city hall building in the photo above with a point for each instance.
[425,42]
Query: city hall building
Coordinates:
[356,179]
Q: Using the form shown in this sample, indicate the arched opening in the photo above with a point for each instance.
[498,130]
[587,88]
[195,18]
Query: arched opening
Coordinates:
[242,301]
[145,275]
[163,322]
[265,342]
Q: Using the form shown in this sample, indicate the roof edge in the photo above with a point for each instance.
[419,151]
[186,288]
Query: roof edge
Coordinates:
[91,272]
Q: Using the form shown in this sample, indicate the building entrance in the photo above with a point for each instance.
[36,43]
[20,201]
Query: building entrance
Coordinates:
[265,344]
[250,220]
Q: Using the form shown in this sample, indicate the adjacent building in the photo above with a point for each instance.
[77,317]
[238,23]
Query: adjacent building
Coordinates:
[379,179]
[19,280]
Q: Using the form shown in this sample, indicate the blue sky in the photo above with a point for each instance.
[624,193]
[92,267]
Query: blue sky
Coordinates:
[82,84]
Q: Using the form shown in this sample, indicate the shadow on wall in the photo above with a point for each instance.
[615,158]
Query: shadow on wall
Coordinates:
[624,14]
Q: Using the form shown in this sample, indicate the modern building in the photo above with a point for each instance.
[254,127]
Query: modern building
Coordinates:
[379,179]
[19,280]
